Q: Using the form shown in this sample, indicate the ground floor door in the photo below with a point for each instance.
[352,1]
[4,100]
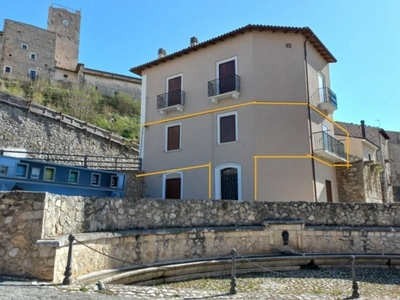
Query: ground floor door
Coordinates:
[229,184]
[173,188]
[328,186]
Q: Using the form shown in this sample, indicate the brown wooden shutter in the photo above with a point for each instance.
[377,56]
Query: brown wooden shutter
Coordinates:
[173,188]
[174,133]
[227,77]
[174,91]
[227,128]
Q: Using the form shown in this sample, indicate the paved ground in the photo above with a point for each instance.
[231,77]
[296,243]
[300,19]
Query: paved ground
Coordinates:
[380,284]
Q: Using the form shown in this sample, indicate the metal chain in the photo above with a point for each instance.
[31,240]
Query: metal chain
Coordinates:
[109,256]
[285,273]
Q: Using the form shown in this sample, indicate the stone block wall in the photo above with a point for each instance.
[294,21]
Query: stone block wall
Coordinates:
[359,183]
[65,215]
[21,223]
[39,133]
[35,228]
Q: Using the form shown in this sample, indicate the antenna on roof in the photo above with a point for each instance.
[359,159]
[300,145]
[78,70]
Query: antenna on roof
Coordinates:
[379,122]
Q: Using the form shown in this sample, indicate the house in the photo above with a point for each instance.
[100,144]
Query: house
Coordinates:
[370,177]
[27,51]
[245,115]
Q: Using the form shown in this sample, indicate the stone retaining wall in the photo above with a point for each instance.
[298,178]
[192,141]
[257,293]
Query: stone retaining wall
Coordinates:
[163,230]
[78,214]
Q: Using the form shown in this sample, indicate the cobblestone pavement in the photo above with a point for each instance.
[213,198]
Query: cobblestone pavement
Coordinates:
[380,284]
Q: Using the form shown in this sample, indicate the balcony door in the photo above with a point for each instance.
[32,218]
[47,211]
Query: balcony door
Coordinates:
[325,137]
[321,87]
[227,72]
[174,91]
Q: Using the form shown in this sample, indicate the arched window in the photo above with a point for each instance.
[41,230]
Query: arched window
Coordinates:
[228,182]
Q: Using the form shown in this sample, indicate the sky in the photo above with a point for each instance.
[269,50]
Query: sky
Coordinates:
[363,35]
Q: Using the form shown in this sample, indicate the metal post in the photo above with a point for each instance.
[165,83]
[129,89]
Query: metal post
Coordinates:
[353,271]
[68,270]
[85,161]
[233,276]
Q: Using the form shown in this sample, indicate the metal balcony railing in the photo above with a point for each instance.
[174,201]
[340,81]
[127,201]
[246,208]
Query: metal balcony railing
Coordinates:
[324,95]
[170,99]
[224,85]
[323,141]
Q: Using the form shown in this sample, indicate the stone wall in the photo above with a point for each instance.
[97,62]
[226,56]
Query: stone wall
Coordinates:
[35,227]
[40,133]
[65,215]
[21,223]
[393,149]
[149,247]
[359,183]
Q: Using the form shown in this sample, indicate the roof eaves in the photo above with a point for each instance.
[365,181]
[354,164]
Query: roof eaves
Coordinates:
[384,134]
[306,31]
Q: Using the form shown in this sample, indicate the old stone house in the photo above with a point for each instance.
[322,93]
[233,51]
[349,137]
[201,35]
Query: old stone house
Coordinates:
[27,51]
[370,179]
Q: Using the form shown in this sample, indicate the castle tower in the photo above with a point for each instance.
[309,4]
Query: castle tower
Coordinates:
[66,23]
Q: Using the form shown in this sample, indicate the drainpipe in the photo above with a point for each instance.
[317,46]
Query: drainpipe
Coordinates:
[309,118]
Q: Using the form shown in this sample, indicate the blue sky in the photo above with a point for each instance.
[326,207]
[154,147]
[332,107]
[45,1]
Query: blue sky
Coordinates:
[364,36]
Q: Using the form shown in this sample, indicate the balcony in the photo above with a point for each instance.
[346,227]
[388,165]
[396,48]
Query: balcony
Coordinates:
[223,88]
[171,101]
[327,147]
[324,99]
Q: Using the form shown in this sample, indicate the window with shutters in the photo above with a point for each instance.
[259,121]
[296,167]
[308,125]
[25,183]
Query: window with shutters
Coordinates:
[173,137]
[227,127]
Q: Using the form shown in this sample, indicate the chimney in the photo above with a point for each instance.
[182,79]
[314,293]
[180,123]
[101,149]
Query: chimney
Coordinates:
[193,41]
[363,129]
[161,53]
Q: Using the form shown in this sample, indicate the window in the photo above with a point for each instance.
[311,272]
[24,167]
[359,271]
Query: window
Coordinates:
[21,170]
[227,127]
[33,56]
[49,173]
[35,173]
[114,181]
[95,179]
[24,46]
[32,74]
[73,177]
[173,137]
[7,69]
[3,170]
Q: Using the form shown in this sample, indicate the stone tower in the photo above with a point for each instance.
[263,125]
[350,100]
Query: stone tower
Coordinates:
[66,23]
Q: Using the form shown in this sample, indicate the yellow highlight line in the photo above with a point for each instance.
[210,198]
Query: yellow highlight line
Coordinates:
[209,180]
[281,156]
[255,178]
[342,165]
[173,170]
[320,160]
[224,108]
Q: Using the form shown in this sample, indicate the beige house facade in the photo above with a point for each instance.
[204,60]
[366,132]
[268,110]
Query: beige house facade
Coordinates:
[247,115]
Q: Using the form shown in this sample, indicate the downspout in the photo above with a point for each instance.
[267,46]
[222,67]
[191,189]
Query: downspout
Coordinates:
[309,119]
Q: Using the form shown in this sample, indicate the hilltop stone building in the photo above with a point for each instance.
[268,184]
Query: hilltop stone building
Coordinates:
[27,51]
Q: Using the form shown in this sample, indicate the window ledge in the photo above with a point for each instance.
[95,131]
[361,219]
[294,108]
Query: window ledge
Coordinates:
[232,94]
[165,110]
[228,143]
[175,150]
